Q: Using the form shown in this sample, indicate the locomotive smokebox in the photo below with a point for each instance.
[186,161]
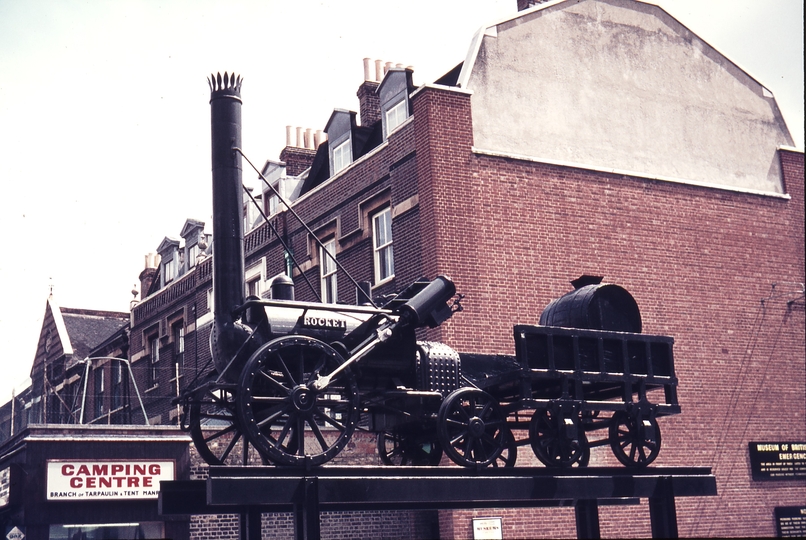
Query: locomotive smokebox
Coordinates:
[228,251]
[594,306]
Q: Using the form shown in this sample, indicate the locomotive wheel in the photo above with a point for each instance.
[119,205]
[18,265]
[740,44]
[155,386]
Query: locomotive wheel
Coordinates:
[551,442]
[471,428]
[396,448]
[509,454]
[216,432]
[278,404]
[635,442]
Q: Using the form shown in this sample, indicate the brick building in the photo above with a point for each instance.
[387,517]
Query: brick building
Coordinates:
[621,145]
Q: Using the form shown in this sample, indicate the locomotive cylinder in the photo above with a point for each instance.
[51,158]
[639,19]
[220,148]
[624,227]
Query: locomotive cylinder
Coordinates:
[428,307]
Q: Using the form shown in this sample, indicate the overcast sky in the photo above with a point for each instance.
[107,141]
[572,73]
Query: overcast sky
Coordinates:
[104,116]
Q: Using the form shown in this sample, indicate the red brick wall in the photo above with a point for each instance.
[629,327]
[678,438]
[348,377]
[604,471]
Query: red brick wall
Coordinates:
[698,260]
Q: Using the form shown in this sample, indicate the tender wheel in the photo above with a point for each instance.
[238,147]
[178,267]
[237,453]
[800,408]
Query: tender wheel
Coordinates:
[398,448]
[471,428]
[278,404]
[634,442]
[558,441]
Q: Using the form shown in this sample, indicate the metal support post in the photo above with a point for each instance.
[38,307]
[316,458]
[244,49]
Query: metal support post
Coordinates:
[250,524]
[306,510]
[587,518]
[662,513]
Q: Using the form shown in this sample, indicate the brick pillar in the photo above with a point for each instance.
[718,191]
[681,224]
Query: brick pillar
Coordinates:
[447,194]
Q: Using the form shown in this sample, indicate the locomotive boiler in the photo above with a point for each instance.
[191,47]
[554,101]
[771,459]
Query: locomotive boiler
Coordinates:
[293,380]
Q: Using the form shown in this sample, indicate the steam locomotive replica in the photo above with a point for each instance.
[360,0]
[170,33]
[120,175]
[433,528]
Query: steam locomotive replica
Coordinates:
[294,380]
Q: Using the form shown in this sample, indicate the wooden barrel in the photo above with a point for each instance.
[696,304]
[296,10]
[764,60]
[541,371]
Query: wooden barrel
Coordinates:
[600,306]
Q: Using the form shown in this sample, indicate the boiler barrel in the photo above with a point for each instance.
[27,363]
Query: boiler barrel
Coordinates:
[600,306]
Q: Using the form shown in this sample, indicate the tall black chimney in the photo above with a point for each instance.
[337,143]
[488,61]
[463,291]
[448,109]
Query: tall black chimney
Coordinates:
[228,250]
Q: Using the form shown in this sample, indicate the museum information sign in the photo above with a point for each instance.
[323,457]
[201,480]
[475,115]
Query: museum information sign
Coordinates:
[106,479]
[790,521]
[778,460]
[487,528]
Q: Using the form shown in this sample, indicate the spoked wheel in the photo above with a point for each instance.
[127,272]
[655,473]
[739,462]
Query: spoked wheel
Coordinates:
[635,442]
[279,405]
[216,431]
[471,428]
[397,447]
[509,454]
[558,440]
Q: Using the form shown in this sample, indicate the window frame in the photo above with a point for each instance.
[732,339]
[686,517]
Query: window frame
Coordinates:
[171,267]
[116,394]
[328,280]
[154,358]
[99,384]
[342,155]
[193,254]
[379,251]
[396,109]
[178,336]
[272,204]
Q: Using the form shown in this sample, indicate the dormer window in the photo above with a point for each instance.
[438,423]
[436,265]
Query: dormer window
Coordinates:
[342,156]
[272,205]
[193,234]
[341,129]
[193,254]
[393,94]
[169,260]
[251,213]
[171,268]
[396,115]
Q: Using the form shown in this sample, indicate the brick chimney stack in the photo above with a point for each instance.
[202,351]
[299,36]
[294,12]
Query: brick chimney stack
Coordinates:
[370,104]
[299,155]
[148,274]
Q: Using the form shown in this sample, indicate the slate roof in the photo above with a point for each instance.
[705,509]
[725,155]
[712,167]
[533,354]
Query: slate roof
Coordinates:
[88,328]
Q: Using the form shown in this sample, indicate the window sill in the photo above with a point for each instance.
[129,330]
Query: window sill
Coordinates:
[383,282]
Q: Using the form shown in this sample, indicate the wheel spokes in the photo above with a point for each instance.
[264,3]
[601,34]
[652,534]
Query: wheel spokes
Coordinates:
[279,386]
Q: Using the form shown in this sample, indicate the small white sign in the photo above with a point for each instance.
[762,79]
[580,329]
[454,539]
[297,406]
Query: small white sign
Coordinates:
[5,486]
[487,529]
[15,534]
[93,480]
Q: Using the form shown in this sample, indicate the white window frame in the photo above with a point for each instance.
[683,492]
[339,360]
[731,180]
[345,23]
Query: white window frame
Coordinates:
[171,268]
[342,155]
[193,254]
[254,276]
[100,383]
[153,374]
[396,115]
[383,253]
[178,330]
[327,272]
[253,287]
[272,205]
